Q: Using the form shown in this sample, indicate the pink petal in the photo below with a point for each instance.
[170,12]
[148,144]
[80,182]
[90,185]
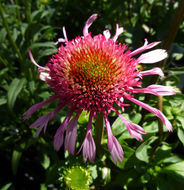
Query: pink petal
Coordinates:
[152,56]
[35,107]
[107,34]
[144,47]
[117,151]
[59,136]
[113,145]
[89,147]
[155,111]
[154,71]
[158,90]
[71,134]
[34,62]
[89,23]
[64,33]
[43,120]
[44,76]
[134,129]
[60,40]
[118,32]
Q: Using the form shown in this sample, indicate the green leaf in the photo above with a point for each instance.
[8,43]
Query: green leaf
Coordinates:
[15,160]
[180,133]
[118,127]
[128,152]
[13,91]
[46,161]
[3,100]
[172,159]
[83,119]
[176,171]
[177,71]
[16,155]
[6,187]
[43,187]
[47,52]
[42,44]
[142,151]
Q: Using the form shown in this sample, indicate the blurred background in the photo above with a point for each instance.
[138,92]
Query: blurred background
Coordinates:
[27,162]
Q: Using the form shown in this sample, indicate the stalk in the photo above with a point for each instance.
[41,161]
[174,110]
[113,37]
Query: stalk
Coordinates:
[14,45]
[99,128]
[18,13]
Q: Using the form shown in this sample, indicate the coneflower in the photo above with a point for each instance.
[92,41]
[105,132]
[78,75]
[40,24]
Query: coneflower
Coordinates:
[94,74]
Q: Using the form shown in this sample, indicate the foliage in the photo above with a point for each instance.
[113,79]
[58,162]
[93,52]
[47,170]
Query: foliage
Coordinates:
[27,162]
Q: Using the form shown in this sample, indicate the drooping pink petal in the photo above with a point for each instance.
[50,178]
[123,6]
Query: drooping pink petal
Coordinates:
[134,129]
[144,47]
[89,147]
[118,32]
[89,22]
[43,120]
[154,71]
[35,107]
[113,145]
[158,90]
[152,56]
[59,136]
[34,62]
[71,134]
[155,111]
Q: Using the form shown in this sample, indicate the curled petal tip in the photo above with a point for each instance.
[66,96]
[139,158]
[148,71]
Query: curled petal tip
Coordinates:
[89,22]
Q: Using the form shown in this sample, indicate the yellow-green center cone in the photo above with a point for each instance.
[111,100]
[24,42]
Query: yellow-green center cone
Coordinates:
[77,178]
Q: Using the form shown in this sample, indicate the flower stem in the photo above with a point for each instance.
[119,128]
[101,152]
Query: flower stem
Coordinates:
[99,128]
[5,23]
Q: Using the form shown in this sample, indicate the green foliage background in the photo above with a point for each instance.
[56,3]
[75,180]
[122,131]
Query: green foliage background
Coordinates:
[27,162]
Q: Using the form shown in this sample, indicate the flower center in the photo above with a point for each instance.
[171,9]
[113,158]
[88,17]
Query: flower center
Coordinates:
[93,69]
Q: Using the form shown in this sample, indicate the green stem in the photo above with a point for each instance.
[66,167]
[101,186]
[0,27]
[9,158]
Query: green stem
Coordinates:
[28,10]
[18,13]
[14,45]
[99,128]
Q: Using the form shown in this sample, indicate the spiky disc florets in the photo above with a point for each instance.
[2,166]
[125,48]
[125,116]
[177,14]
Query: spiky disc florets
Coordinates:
[94,72]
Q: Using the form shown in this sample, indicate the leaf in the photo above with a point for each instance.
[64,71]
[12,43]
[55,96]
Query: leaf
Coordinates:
[142,151]
[47,52]
[46,161]
[15,160]
[42,44]
[176,171]
[135,118]
[180,133]
[16,155]
[172,159]
[13,91]
[118,127]
[128,152]
[3,100]
[6,187]
[83,118]
[3,34]
[177,71]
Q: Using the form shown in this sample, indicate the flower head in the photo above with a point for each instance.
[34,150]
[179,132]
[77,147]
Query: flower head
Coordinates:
[93,74]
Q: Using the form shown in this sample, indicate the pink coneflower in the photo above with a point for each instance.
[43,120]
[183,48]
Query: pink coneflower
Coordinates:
[94,74]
